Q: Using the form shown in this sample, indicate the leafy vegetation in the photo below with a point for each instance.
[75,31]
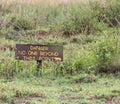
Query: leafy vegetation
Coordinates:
[90,35]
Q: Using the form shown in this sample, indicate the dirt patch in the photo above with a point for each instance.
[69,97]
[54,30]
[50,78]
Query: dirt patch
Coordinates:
[27,100]
[108,99]
[113,101]
[71,98]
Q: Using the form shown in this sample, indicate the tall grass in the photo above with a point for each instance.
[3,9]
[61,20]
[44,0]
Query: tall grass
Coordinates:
[33,19]
[64,17]
[53,2]
[100,55]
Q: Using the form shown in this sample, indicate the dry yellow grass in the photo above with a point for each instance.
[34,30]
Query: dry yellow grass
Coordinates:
[50,2]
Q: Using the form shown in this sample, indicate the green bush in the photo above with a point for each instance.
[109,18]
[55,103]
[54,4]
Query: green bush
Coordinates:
[7,69]
[82,62]
[84,19]
[68,20]
[64,68]
[108,13]
[22,23]
[112,15]
[85,62]
[11,68]
[79,21]
[105,51]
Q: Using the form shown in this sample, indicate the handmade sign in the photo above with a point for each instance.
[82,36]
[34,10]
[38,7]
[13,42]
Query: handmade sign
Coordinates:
[39,52]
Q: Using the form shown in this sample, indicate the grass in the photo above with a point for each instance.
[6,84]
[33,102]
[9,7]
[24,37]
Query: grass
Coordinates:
[81,53]
[89,33]
[79,88]
[53,2]
[48,90]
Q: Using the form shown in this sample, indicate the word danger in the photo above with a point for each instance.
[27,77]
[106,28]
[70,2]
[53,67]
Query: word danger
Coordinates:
[39,52]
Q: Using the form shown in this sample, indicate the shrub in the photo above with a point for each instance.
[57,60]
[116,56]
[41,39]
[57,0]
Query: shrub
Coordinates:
[66,19]
[79,21]
[108,13]
[83,62]
[11,68]
[64,68]
[105,51]
[84,19]
[22,23]
[111,15]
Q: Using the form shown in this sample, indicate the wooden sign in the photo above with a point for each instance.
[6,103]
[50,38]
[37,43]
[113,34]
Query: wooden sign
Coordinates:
[39,52]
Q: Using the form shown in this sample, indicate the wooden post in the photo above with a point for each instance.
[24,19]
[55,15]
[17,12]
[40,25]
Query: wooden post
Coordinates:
[39,68]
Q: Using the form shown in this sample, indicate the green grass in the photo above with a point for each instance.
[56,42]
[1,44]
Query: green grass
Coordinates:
[49,90]
[90,36]
[81,54]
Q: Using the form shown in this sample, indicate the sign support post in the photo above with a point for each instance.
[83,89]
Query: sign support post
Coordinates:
[39,68]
